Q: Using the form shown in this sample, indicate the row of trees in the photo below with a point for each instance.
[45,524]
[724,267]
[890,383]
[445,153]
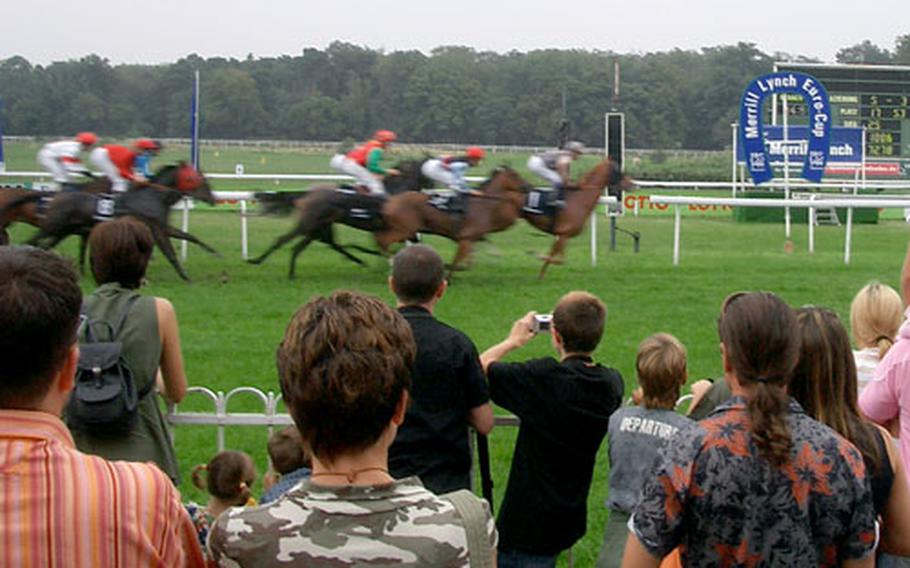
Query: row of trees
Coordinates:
[675,99]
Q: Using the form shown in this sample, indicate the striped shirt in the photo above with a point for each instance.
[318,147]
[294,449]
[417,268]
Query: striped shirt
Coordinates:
[60,507]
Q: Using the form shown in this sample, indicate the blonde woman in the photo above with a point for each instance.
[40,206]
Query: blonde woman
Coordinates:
[875,316]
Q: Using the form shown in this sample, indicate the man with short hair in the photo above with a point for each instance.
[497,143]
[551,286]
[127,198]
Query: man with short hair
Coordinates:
[564,406]
[448,391]
[61,507]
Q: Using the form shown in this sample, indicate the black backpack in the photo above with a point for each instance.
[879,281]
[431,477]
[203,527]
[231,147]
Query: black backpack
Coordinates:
[105,400]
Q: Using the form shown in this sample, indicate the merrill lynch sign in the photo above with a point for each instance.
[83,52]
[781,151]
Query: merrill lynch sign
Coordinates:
[846,144]
[751,130]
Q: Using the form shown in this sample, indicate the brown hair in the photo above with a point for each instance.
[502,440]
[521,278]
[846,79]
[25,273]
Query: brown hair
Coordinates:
[824,382]
[417,272]
[39,312]
[344,364]
[286,450]
[661,368]
[229,477]
[579,318]
[875,316]
[120,251]
[761,342]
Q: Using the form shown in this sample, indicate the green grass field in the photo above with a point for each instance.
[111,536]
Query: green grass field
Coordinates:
[233,314]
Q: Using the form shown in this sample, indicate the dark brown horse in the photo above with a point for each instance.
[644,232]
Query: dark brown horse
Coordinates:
[402,216]
[570,219]
[27,208]
[76,212]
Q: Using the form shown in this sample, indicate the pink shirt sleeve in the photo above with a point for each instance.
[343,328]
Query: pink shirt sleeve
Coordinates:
[878,400]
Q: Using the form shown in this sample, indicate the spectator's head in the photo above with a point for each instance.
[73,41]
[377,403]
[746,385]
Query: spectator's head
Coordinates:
[39,315]
[578,322]
[661,368]
[228,477]
[418,275]
[875,316]
[120,251]
[345,366]
[286,450]
[824,381]
[760,347]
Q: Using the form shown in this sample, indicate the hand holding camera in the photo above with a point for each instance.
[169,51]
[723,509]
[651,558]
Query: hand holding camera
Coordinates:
[542,323]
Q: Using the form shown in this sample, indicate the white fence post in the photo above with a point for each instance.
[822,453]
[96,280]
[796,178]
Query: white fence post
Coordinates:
[244,250]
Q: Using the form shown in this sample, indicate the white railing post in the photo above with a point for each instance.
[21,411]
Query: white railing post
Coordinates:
[244,250]
[676,236]
[594,237]
[185,226]
[849,236]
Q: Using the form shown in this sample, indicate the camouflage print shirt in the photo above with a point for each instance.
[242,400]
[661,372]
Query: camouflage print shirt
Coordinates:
[400,524]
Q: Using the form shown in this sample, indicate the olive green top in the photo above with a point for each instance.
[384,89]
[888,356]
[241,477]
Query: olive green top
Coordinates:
[150,440]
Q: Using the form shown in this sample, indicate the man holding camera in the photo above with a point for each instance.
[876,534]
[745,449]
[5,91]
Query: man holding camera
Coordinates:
[565,407]
[448,390]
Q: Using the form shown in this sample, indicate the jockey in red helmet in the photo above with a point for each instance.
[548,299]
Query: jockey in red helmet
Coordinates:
[63,159]
[118,162]
[363,162]
[449,170]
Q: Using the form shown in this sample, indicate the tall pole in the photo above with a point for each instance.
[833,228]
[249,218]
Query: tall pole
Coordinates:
[194,156]
[2,160]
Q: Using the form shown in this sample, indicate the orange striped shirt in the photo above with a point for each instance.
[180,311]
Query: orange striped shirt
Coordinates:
[60,507]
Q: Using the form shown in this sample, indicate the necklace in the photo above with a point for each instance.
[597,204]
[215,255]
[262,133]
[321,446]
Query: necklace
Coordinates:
[351,475]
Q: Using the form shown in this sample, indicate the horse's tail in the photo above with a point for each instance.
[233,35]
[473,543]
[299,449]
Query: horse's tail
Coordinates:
[16,202]
[278,203]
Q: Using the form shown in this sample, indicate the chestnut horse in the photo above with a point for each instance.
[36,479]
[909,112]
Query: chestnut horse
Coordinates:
[496,209]
[570,219]
[401,217]
[76,212]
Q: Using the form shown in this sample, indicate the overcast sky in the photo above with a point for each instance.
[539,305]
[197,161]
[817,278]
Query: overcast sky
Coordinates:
[161,31]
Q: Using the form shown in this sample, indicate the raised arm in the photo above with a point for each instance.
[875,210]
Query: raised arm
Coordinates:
[522,332]
[172,372]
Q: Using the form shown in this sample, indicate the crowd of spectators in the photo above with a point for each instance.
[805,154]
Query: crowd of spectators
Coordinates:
[787,460]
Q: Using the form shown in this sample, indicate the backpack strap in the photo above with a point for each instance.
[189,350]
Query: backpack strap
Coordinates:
[470,509]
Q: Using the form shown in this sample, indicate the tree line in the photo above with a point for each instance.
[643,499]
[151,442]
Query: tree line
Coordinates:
[674,99]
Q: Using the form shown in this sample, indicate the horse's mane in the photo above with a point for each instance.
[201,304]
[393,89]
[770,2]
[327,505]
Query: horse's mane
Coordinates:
[495,172]
[613,173]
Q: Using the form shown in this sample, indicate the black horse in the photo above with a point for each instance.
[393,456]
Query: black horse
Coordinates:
[75,213]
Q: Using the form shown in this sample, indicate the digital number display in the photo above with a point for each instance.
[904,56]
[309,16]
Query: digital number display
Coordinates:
[875,97]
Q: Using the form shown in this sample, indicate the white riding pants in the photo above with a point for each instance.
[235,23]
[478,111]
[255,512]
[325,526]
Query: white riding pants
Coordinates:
[345,165]
[537,166]
[101,160]
[54,166]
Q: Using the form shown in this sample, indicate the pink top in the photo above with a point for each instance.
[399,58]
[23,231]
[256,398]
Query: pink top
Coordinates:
[888,394]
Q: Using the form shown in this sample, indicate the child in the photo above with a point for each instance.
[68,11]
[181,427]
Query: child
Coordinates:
[636,434]
[229,477]
[290,462]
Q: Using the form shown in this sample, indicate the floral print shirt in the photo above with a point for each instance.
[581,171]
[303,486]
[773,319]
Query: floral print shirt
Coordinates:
[713,495]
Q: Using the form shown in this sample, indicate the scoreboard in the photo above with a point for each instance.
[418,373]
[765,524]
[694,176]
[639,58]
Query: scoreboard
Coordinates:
[876,97]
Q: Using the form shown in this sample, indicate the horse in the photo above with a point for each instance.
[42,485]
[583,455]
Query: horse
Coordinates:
[496,208]
[75,213]
[401,217]
[569,221]
[28,209]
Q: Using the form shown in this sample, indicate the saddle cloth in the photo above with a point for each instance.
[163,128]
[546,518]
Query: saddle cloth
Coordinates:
[542,202]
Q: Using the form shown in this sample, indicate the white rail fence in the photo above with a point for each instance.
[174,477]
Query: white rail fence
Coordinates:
[849,203]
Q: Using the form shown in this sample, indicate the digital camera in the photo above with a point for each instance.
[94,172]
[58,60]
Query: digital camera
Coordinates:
[542,323]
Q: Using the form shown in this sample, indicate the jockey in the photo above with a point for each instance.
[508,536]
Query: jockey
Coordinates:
[553,166]
[449,170]
[363,162]
[117,162]
[143,163]
[62,159]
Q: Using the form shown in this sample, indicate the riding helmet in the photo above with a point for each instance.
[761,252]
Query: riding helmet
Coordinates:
[575,146]
[475,152]
[148,144]
[87,138]
[385,136]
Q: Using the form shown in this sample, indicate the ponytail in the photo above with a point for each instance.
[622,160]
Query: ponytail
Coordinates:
[768,415]
[229,476]
[884,343]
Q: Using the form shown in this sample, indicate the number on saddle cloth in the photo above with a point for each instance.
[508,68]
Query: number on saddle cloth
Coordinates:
[542,202]
[362,207]
[104,208]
